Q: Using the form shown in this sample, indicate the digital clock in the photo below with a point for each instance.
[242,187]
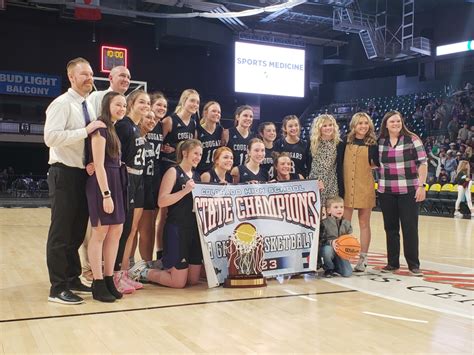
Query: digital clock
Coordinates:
[112,57]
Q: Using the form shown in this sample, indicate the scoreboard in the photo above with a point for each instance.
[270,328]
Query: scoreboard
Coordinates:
[111,57]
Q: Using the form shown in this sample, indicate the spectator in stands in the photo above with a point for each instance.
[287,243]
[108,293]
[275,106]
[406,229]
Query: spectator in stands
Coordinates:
[428,118]
[69,120]
[443,177]
[464,182]
[402,184]
[470,135]
[119,78]
[432,167]
[453,129]
[463,133]
[451,165]
[440,161]
[357,155]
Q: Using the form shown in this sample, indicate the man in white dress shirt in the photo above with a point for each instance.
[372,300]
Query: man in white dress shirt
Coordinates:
[119,78]
[69,120]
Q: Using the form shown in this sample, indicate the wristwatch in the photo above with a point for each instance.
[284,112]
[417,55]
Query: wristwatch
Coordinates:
[106,194]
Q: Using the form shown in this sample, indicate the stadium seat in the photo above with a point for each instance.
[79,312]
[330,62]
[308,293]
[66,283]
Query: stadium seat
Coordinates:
[445,199]
[431,204]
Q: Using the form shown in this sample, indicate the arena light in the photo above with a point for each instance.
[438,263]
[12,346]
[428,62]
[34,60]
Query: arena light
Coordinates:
[455,48]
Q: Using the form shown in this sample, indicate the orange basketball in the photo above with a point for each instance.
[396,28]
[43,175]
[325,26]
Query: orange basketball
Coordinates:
[346,246]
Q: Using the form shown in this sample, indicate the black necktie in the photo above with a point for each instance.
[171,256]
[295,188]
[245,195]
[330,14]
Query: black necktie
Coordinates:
[87,118]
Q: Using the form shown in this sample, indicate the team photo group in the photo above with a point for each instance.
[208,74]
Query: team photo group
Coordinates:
[123,169]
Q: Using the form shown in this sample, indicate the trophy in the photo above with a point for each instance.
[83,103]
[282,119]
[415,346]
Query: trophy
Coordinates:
[245,258]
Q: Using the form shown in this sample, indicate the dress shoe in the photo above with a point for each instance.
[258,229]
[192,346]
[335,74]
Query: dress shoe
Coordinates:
[66,297]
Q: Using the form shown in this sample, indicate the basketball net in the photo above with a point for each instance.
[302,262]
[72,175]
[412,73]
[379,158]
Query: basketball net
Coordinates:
[246,258]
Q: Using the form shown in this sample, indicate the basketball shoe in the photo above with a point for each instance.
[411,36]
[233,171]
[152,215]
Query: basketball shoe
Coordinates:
[361,264]
[458,214]
[121,284]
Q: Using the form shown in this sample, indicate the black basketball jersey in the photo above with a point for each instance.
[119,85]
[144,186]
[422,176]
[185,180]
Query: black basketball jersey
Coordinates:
[155,138]
[150,160]
[181,213]
[293,176]
[238,145]
[267,163]
[246,175]
[215,179]
[179,132]
[133,152]
[210,143]
[299,154]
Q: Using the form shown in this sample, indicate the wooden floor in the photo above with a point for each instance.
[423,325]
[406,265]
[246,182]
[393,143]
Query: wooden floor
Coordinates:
[302,315]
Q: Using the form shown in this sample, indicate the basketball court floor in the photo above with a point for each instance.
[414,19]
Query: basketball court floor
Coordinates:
[368,313]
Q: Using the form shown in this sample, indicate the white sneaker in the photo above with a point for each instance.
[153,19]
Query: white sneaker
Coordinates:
[361,264]
[458,214]
[472,215]
[136,269]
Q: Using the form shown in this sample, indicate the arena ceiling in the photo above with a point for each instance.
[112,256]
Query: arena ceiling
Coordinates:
[310,21]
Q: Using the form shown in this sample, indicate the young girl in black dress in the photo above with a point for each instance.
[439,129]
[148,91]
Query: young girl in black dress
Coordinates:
[182,255]
[220,173]
[252,171]
[105,192]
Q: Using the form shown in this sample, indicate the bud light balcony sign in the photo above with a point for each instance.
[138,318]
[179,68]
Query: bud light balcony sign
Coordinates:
[29,84]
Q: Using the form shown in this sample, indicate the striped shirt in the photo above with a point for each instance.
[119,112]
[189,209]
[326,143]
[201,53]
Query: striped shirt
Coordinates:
[399,164]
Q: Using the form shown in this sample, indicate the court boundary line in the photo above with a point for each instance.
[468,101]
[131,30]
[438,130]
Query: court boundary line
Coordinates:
[171,306]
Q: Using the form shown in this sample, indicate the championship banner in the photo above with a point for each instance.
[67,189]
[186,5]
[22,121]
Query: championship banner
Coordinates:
[272,228]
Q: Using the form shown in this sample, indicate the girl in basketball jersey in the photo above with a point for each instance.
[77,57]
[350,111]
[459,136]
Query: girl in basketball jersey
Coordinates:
[179,127]
[291,142]
[133,155]
[282,166]
[182,256]
[237,138]
[220,172]
[209,132]
[267,132]
[106,199]
[147,238]
[146,226]
[252,171]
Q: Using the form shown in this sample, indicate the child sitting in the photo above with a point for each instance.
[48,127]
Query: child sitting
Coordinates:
[331,228]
